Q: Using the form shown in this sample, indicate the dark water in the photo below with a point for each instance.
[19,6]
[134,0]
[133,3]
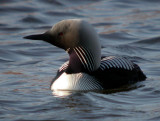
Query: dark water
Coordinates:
[126,27]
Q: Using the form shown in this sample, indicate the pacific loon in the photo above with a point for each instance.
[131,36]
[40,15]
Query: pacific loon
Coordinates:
[86,69]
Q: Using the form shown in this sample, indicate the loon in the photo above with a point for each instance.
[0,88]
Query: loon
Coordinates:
[86,70]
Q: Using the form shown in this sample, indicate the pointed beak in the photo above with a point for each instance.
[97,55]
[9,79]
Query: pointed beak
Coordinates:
[36,37]
[47,37]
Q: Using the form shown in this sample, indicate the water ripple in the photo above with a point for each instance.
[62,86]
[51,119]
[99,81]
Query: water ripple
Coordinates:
[61,13]
[31,19]
[126,28]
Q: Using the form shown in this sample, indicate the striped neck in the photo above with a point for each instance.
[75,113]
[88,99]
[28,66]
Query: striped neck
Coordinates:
[82,60]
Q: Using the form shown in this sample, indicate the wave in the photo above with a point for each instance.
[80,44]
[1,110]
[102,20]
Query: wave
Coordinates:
[155,40]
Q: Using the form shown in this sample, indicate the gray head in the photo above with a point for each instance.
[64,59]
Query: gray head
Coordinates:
[72,33]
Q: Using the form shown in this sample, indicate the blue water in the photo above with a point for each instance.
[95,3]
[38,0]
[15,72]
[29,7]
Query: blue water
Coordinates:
[125,27]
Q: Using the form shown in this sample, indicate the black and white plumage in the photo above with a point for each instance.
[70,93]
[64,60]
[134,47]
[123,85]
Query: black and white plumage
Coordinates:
[86,69]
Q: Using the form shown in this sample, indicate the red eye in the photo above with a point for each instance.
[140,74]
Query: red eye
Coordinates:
[60,34]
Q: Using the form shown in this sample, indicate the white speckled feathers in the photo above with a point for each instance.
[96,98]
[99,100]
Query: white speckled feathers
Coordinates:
[116,62]
[109,62]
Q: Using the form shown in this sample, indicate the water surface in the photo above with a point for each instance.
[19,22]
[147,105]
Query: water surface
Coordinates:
[126,28]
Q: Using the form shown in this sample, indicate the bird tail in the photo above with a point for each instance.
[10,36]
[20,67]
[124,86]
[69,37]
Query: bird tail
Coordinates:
[141,75]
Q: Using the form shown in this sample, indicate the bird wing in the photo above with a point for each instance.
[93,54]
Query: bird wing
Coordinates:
[117,63]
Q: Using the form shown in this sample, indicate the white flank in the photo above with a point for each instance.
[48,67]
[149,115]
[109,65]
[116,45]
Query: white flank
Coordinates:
[76,82]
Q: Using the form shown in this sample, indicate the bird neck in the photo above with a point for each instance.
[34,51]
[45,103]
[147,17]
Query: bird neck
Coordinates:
[82,59]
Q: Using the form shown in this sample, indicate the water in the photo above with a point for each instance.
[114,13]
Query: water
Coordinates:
[126,28]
